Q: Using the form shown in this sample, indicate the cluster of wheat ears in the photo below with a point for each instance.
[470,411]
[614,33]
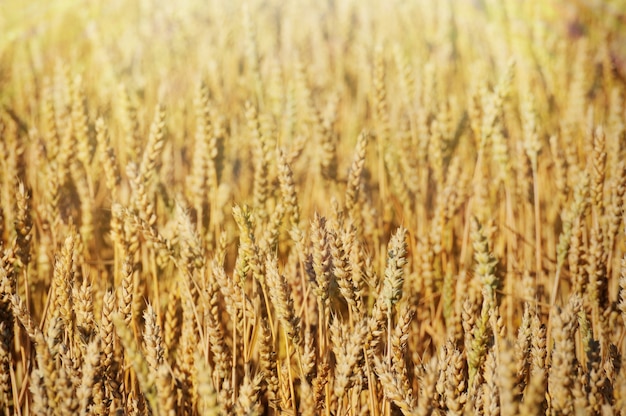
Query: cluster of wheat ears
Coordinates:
[312,207]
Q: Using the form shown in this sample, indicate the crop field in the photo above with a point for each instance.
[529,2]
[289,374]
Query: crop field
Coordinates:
[312,207]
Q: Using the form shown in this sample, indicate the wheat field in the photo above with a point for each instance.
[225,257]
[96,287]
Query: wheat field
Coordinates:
[305,207]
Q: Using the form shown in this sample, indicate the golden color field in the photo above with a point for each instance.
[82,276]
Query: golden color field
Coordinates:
[300,207]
